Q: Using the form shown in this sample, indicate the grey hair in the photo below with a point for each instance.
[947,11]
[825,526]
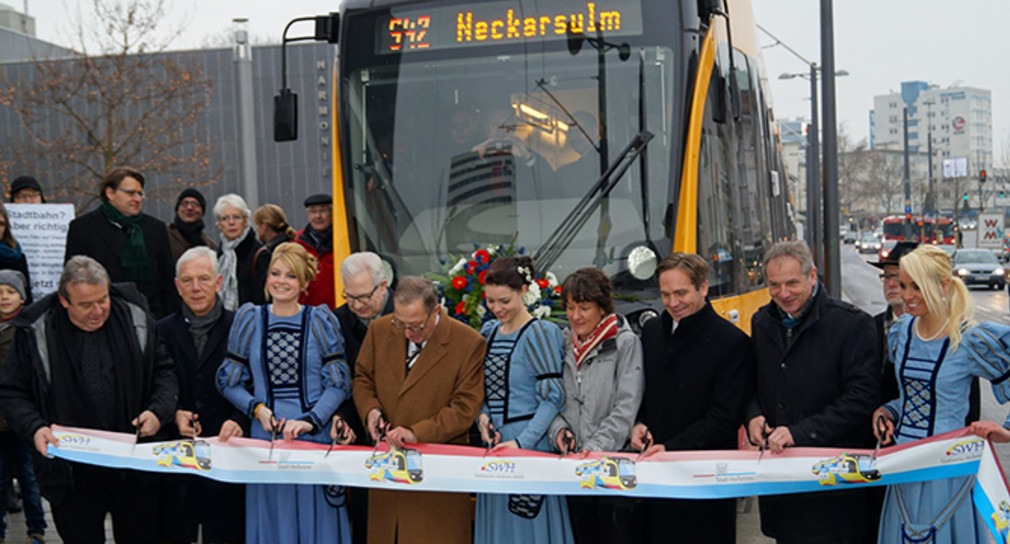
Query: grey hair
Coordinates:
[233,200]
[363,261]
[414,288]
[82,269]
[195,253]
[794,249]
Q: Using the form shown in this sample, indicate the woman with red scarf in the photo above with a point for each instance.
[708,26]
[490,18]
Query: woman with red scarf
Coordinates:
[604,383]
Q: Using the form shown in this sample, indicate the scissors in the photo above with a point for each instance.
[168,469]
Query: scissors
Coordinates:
[382,424]
[568,441]
[881,430]
[136,438]
[490,432]
[646,443]
[192,424]
[763,447]
[339,425]
[275,427]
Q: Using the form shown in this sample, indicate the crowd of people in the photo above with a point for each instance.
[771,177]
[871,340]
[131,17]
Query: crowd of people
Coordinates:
[162,331]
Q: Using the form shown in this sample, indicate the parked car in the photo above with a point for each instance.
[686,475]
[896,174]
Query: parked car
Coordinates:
[886,249]
[979,267]
[851,237]
[868,244]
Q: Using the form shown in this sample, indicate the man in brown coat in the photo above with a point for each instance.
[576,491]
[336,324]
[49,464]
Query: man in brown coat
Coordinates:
[420,376]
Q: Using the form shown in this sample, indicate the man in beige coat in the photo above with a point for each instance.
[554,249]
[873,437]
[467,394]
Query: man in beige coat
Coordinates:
[420,377]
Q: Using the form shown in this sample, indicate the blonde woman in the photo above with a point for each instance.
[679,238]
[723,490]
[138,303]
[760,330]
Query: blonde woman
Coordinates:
[285,370]
[937,349]
[272,226]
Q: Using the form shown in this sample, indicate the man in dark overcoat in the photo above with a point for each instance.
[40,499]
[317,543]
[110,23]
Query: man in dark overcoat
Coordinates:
[818,382]
[197,338]
[699,376]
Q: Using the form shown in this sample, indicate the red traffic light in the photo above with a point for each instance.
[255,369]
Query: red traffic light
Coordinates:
[981,176]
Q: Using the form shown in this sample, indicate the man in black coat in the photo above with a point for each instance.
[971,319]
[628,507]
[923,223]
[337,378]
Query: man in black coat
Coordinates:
[102,367]
[197,338]
[699,375]
[130,245]
[818,382]
[368,297]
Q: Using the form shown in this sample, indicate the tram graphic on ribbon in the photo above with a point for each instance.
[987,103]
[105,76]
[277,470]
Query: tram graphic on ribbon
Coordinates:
[400,465]
[192,454]
[607,473]
[847,468]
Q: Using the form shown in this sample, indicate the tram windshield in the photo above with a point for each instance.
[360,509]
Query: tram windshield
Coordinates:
[450,146]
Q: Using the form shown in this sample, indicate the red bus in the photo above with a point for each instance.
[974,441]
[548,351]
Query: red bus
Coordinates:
[929,231]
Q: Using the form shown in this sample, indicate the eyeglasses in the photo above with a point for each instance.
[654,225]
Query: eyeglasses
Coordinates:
[885,276]
[231,218]
[25,195]
[412,328]
[360,298]
[132,194]
[189,204]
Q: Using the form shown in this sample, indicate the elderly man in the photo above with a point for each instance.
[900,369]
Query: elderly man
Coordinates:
[895,309]
[131,245]
[197,338]
[699,375]
[102,366]
[27,190]
[419,378]
[368,297]
[817,385]
[186,230]
[317,237]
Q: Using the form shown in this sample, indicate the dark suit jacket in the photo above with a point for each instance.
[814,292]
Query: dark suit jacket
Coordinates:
[93,235]
[438,401]
[192,500]
[354,333]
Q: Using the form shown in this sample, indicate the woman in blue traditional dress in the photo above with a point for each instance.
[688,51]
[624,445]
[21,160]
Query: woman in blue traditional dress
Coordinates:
[522,395]
[285,368]
[937,349]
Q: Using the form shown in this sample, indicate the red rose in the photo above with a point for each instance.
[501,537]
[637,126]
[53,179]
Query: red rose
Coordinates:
[481,276]
[472,264]
[544,284]
[482,255]
[461,308]
[557,289]
[459,283]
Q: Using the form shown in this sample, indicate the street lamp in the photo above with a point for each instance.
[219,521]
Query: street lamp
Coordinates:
[818,235]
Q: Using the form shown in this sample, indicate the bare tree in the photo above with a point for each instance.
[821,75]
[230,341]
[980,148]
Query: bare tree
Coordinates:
[131,104]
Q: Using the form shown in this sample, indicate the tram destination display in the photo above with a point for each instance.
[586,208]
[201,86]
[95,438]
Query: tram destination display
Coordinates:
[510,22]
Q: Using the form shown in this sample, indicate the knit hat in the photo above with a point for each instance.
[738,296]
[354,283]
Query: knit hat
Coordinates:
[26,182]
[191,193]
[14,279]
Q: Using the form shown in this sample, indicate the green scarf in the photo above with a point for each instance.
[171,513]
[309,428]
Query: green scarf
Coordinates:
[134,257]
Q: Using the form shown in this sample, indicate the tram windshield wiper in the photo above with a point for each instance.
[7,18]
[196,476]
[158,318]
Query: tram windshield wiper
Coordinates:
[577,217]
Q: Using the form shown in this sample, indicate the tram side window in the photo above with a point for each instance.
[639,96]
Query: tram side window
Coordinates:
[753,195]
[717,215]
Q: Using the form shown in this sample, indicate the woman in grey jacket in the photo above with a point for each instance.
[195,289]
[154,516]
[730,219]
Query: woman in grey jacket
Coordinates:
[604,383]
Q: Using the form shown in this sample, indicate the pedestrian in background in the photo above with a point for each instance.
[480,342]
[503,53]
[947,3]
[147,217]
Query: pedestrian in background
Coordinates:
[317,237]
[243,259]
[272,227]
[604,382]
[186,230]
[11,256]
[130,245]
[15,456]
[27,190]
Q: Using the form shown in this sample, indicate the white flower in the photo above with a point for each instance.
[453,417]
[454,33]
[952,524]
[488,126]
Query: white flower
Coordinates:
[552,280]
[481,310]
[457,268]
[532,295]
[542,311]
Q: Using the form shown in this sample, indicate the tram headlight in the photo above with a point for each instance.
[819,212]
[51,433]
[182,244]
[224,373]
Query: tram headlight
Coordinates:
[645,316]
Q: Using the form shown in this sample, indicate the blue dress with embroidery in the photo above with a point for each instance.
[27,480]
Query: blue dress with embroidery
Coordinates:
[935,385]
[295,365]
[523,391]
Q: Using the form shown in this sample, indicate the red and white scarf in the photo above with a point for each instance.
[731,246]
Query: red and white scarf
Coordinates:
[606,328]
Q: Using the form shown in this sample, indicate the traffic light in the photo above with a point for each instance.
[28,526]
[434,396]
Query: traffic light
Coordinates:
[965,197]
[981,176]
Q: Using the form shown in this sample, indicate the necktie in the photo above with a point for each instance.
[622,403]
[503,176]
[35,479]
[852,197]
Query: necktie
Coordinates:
[411,357]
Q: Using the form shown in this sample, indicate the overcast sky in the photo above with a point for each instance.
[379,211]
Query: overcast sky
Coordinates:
[880,43]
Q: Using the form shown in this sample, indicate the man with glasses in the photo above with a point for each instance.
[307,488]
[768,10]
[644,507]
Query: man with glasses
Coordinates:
[419,378]
[367,297]
[26,190]
[186,230]
[132,246]
[317,237]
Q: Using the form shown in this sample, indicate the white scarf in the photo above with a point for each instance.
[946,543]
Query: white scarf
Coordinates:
[228,263]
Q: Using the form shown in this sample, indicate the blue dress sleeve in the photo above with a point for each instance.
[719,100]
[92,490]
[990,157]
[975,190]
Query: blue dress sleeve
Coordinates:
[330,366]
[986,346]
[897,339]
[234,376]
[543,348]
